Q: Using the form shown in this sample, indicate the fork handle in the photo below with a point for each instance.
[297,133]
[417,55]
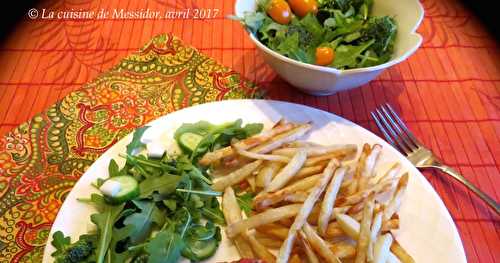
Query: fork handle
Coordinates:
[490,201]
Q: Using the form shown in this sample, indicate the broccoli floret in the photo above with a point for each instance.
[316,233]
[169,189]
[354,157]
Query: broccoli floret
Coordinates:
[383,31]
[305,37]
[343,5]
[80,251]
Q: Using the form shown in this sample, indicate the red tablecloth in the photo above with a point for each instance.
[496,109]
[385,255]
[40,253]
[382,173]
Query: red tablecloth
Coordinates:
[448,92]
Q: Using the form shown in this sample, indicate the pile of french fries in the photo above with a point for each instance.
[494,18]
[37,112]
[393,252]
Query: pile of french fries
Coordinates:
[312,203]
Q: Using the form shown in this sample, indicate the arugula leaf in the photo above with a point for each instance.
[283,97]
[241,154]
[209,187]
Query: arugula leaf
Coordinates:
[136,145]
[143,221]
[346,56]
[170,204]
[165,247]
[245,202]
[104,222]
[59,241]
[251,20]
[164,185]
[213,136]
[113,169]
[312,25]
[117,254]
[290,48]
[214,214]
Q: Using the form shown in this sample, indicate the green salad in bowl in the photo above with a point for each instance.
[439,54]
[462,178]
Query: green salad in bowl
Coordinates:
[341,34]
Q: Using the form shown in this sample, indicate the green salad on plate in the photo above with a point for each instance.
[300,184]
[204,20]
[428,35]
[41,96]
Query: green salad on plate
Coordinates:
[341,34]
[158,207]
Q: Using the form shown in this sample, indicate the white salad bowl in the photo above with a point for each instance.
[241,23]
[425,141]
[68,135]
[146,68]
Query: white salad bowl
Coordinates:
[319,80]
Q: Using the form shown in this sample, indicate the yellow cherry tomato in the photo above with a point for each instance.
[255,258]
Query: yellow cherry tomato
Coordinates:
[324,56]
[279,11]
[303,7]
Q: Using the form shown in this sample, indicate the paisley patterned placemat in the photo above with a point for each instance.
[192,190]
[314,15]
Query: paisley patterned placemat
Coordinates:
[45,156]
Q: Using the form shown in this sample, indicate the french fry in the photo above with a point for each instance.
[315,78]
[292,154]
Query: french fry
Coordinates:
[300,144]
[382,248]
[266,174]
[356,210]
[400,252]
[282,138]
[269,242]
[345,186]
[286,222]
[389,174]
[314,151]
[264,200]
[251,181]
[297,197]
[349,225]
[329,200]
[305,210]
[274,230]
[363,194]
[374,233]
[308,171]
[368,169]
[295,259]
[247,143]
[389,225]
[258,156]
[311,256]
[319,245]
[353,187]
[287,172]
[260,250]
[235,177]
[232,213]
[266,217]
[340,153]
[364,231]
[314,216]
[397,197]
[288,151]
[343,250]
[392,258]
[333,230]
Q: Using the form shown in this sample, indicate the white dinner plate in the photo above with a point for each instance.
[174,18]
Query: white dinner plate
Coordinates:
[427,231]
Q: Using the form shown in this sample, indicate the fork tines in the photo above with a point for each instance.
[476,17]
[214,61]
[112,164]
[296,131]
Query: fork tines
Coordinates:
[394,129]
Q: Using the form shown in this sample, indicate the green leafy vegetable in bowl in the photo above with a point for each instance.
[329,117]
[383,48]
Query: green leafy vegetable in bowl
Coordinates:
[157,209]
[336,33]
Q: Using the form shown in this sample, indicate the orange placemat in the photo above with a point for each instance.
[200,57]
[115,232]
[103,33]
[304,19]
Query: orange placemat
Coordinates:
[449,93]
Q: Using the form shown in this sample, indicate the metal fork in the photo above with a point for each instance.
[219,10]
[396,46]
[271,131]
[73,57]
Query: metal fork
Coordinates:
[397,134]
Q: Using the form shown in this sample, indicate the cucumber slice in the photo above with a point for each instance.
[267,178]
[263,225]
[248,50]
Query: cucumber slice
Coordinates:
[188,141]
[198,250]
[129,189]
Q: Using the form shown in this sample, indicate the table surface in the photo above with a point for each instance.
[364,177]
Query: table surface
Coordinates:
[448,92]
